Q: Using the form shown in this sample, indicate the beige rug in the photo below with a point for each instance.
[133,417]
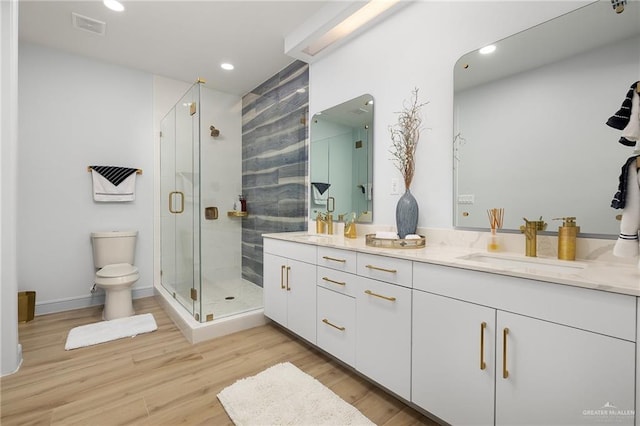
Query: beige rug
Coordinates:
[284,395]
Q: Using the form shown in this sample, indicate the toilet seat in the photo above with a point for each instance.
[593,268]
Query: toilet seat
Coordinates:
[118,273]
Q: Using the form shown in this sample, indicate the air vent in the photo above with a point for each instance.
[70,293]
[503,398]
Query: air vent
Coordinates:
[88,24]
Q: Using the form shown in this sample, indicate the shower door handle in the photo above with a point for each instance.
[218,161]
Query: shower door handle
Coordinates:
[171,196]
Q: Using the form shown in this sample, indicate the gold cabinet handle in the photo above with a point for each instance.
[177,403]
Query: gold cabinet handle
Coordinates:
[370,293]
[483,364]
[288,269]
[392,271]
[334,259]
[171,209]
[505,372]
[332,281]
[326,321]
[282,268]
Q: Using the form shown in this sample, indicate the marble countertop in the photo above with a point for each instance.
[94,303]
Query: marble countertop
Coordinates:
[598,275]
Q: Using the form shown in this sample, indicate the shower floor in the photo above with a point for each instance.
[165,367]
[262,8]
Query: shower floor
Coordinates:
[226,298]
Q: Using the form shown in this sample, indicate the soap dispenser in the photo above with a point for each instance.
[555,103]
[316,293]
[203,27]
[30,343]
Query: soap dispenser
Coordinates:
[350,226]
[567,236]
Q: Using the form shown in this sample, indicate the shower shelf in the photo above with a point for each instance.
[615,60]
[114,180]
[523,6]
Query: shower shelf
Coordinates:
[236,213]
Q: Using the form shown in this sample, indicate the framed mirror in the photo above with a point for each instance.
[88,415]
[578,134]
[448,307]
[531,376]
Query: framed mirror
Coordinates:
[342,160]
[529,121]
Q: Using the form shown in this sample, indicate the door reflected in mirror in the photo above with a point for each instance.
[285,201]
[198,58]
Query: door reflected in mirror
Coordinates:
[342,160]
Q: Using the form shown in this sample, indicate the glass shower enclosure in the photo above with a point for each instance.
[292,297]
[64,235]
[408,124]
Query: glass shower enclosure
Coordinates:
[200,180]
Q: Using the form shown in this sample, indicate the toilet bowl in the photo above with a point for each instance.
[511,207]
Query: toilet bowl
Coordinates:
[117,280]
[113,255]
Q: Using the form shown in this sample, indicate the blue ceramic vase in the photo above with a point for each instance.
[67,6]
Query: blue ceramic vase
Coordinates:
[406,214]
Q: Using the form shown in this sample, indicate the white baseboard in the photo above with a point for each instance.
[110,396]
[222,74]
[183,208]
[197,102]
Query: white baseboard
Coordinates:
[95,299]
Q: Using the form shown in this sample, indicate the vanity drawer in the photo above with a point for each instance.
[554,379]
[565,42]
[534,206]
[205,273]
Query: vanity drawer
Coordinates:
[602,312]
[297,251]
[336,323]
[387,269]
[341,260]
[338,281]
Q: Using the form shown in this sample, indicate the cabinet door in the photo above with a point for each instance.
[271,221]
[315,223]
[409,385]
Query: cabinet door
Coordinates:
[453,362]
[554,374]
[300,283]
[337,324]
[383,337]
[274,288]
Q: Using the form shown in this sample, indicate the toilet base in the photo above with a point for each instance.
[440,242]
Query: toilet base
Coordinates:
[118,303]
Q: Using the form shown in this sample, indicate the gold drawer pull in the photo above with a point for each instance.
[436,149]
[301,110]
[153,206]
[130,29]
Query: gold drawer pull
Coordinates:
[332,281]
[326,321]
[370,293]
[505,372]
[288,269]
[393,271]
[483,364]
[334,259]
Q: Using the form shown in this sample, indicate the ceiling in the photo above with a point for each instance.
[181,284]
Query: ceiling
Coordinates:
[182,40]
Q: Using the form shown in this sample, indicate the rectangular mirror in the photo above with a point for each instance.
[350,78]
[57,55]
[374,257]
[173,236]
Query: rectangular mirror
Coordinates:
[342,159]
[529,121]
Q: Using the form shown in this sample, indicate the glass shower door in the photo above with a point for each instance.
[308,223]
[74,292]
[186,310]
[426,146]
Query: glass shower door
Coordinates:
[179,164]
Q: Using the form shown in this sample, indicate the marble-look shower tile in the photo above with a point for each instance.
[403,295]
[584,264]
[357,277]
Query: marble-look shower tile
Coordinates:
[275,161]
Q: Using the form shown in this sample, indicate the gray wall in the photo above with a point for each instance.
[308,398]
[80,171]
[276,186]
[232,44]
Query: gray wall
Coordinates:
[274,161]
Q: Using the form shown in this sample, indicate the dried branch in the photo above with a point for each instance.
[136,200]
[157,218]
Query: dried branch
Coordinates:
[405,135]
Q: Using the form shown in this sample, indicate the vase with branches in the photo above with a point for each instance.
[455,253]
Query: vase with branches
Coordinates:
[405,135]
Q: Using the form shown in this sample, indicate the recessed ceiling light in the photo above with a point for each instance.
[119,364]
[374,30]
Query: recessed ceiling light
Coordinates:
[226,66]
[113,5]
[488,49]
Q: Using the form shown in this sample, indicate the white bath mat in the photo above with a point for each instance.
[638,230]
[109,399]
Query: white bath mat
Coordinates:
[104,331]
[284,395]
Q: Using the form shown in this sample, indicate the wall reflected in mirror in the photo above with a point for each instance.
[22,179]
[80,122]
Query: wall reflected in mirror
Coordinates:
[530,132]
[341,164]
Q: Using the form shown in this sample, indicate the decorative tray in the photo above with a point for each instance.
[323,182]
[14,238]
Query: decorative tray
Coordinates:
[397,243]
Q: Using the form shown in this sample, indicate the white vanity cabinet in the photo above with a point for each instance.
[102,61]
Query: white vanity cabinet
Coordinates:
[289,287]
[336,318]
[383,323]
[336,324]
[453,361]
[554,374]
[554,354]
[467,346]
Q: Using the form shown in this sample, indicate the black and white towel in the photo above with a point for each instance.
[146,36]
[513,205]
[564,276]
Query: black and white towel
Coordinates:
[112,183]
[620,120]
[627,243]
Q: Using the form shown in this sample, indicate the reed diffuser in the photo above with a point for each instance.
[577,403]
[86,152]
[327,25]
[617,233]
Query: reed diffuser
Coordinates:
[496,217]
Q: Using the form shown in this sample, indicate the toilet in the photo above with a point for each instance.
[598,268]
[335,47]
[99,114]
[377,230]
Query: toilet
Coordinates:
[113,255]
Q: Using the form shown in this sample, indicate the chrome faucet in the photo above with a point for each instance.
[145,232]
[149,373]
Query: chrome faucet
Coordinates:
[530,230]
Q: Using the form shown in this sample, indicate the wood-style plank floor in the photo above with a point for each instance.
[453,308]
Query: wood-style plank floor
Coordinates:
[159,378]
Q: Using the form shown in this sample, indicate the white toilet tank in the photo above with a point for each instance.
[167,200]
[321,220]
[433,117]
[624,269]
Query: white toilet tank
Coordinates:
[113,247]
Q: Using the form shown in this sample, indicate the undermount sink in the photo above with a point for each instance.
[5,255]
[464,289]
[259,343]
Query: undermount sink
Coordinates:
[312,238]
[526,264]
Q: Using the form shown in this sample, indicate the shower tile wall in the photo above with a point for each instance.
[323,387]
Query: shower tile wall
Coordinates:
[274,161]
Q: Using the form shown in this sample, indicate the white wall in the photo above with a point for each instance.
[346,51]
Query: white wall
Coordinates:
[10,351]
[418,47]
[76,112]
